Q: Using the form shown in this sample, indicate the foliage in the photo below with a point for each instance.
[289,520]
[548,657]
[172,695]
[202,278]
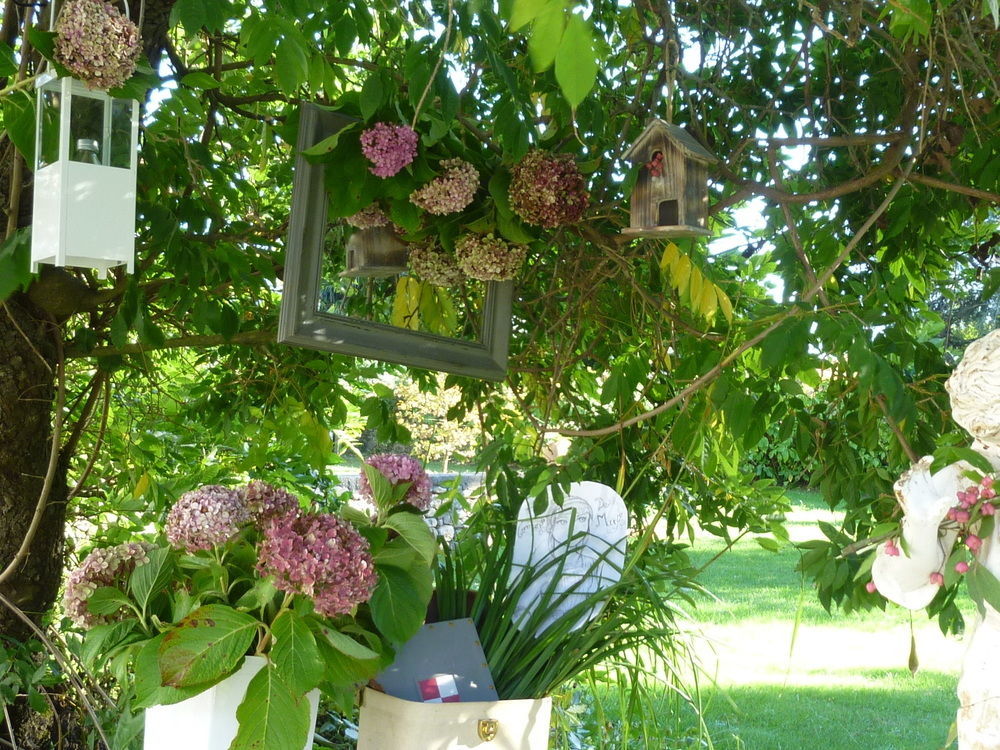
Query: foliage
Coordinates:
[631,641]
[184,619]
[437,431]
[859,174]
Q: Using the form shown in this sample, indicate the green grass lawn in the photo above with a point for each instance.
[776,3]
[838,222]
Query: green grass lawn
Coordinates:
[836,682]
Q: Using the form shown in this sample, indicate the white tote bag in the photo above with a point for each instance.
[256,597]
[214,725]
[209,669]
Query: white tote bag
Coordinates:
[389,723]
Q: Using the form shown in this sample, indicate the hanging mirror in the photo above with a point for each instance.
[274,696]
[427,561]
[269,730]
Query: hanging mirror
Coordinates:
[345,289]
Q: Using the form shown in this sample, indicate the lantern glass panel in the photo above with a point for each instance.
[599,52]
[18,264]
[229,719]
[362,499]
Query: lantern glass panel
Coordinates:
[87,142]
[48,127]
[121,133]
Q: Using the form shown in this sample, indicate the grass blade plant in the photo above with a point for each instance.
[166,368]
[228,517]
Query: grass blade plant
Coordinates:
[629,655]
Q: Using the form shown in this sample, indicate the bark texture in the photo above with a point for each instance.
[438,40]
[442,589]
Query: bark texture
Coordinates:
[27,388]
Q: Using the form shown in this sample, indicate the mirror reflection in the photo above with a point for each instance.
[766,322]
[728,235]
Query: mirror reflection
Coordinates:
[366,273]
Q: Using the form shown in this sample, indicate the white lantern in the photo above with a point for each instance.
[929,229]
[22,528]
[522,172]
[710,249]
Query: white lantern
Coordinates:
[86,154]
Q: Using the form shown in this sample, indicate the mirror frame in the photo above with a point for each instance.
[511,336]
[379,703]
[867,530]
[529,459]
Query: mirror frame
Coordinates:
[301,324]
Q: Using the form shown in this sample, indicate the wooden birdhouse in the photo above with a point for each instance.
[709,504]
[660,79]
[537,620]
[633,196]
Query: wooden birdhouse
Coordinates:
[670,198]
[375,253]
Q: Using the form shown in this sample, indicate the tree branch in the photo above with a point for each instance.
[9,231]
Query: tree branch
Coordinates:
[963,189]
[247,338]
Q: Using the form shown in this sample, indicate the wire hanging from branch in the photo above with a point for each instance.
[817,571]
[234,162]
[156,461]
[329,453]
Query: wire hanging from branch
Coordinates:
[671,55]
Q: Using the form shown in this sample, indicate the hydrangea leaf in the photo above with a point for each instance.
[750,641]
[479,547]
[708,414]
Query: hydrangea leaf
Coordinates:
[152,577]
[347,645]
[295,653]
[413,530]
[271,715]
[148,690]
[205,646]
[398,606]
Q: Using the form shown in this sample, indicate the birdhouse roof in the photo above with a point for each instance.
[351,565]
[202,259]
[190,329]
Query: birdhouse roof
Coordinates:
[677,135]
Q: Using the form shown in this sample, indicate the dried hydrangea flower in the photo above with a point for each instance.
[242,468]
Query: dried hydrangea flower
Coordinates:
[263,500]
[451,192]
[489,258]
[435,266]
[96,43]
[368,218]
[321,556]
[547,190]
[206,517]
[389,148]
[399,468]
[110,566]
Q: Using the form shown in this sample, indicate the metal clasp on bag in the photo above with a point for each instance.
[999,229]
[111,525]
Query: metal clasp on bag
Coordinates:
[488,729]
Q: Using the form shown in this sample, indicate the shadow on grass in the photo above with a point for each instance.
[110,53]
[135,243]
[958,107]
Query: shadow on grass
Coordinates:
[893,712]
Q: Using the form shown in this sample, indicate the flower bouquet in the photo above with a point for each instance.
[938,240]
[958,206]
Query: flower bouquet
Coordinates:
[320,597]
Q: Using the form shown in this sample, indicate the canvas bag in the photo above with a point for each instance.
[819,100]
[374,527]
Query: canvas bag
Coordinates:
[389,723]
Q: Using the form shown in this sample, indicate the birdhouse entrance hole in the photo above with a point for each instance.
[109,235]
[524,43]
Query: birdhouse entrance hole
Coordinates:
[669,214]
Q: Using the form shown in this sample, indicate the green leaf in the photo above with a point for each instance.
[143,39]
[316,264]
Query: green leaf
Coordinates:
[911,18]
[191,14]
[8,63]
[198,80]
[101,640]
[398,554]
[341,669]
[950,454]
[398,605]
[576,66]
[107,600]
[19,119]
[372,96]
[15,263]
[291,64]
[43,41]
[150,578]
[381,487]
[206,645]
[413,529]
[148,690]
[993,6]
[295,654]
[272,715]
[984,588]
[329,143]
[347,645]
[524,12]
[546,33]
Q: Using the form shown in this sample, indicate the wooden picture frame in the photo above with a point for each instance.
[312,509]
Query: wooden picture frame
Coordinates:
[301,324]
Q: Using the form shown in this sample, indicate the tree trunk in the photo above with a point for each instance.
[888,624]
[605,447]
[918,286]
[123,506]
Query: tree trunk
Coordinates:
[27,389]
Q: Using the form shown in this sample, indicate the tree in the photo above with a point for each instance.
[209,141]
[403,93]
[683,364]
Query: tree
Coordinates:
[663,361]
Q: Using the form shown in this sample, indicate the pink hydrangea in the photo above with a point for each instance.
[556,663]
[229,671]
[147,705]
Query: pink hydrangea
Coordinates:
[435,266]
[368,218]
[206,517]
[321,556]
[96,43]
[109,566]
[548,190]
[399,468]
[264,501]
[489,258]
[389,148]
[451,192]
